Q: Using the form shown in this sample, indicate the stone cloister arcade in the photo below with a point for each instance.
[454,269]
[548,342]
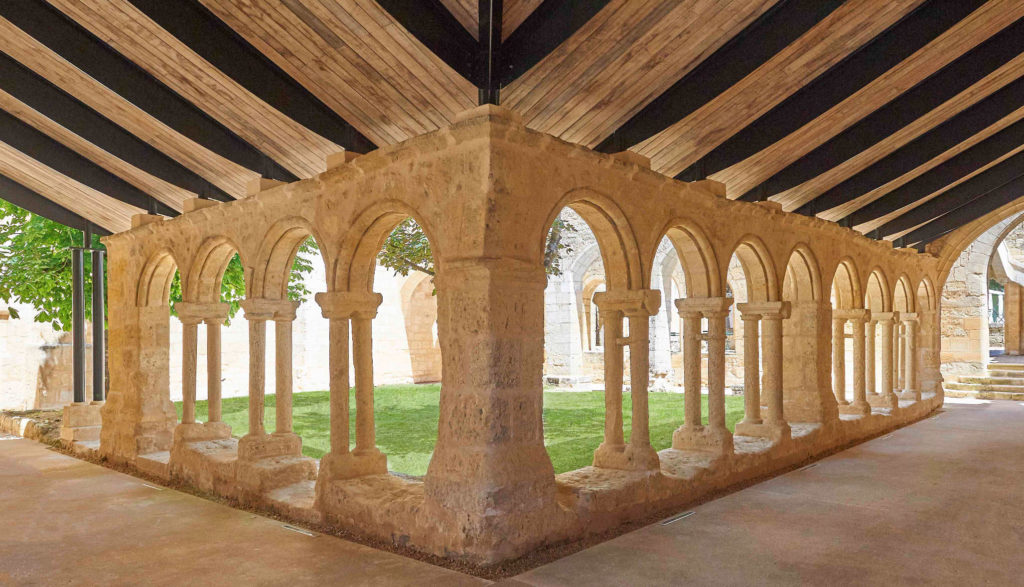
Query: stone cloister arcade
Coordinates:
[486,190]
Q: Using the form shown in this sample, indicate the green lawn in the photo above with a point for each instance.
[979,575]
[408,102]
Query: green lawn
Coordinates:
[407,422]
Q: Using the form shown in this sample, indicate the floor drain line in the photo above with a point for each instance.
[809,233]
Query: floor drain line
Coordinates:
[810,466]
[152,486]
[677,517]
[886,436]
[302,531]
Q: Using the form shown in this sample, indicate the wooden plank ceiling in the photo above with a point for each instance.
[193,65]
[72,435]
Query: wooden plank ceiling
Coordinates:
[373,69]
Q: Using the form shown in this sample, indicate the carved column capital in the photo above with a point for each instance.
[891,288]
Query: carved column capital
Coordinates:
[766,310]
[349,304]
[631,302]
[707,307]
[194,313]
[854,315]
[266,309]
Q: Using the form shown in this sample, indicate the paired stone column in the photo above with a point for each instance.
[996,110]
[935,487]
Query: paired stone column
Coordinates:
[191,315]
[839,357]
[857,319]
[638,306]
[770,316]
[715,436]
[257,444]
[350,312]
[911,390]
[869,356]
[1012,335]
[885,398]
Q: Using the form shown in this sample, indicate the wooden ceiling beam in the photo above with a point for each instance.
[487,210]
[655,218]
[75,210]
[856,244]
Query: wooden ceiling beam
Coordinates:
[752,47]
[956,196]
[870,61]
[942,175]
[97,59]
[973,210]
[213,40]
[67,111]
[21,196]
[958,76]
[53,154]
[922,149]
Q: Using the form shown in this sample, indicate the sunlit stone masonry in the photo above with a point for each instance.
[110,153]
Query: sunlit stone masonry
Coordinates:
[486,191]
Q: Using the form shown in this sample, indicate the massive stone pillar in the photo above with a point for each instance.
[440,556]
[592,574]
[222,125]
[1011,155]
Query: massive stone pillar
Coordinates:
[715,436]
[911,390]
[638,306]
[886,398]
[490,475]
[807,385]
[343,309]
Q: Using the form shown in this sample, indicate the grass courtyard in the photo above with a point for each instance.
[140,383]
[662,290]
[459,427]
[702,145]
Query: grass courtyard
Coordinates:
[406,417]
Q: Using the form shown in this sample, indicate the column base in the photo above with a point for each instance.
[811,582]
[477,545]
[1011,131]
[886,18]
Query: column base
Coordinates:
[883,400]
[704,438]
[252,447]
[81,422]
[910,394]
[349,465]
[201,431]
[775,431]
[856,409]
[627,458]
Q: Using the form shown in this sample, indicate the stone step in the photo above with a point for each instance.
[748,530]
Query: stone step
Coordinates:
[984,394]
[1002,373]
[1007,366]
[155,463]
[976,387]
[992,380]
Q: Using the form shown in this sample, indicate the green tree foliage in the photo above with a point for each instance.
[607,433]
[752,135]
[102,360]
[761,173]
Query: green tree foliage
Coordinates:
[407,248]
[35,268]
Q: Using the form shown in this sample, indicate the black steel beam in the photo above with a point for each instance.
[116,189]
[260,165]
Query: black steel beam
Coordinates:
[944,174]
[67,111]
[78,324]
[957,196]
[547,27]
[975,209]
[97,59]
[99,321]
[922,149]
[842,80]
[490,52]
[753,46]
[53,154]
[440,32]
[925,96]
[213,40]
[28,199]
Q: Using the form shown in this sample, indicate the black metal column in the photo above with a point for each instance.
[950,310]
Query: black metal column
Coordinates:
[78,322]
[99,347]
[489,59]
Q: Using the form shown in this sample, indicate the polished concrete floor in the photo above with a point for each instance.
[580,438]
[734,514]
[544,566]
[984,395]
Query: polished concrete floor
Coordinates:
[939,502]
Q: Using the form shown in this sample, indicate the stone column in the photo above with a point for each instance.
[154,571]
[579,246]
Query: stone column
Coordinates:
[715,436]
[257,369]
[857,319]
[886,398]
[897,356]
[691,369]
[910,388]
[213,365]
[638,306]
[1013,340]
[189,352]
[869,357]
[839,358]
[751,370]
[283,319]
[341,309]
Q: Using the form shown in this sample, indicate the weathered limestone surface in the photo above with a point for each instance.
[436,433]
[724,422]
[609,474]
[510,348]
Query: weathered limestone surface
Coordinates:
[485,191]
